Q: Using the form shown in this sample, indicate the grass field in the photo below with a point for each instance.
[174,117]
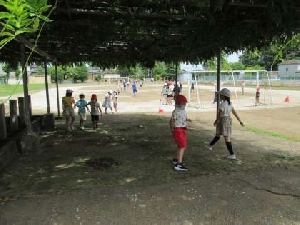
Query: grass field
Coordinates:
[11,89]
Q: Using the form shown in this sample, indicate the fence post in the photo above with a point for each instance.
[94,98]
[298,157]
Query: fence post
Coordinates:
[14,124]
[21,110]
[3,130]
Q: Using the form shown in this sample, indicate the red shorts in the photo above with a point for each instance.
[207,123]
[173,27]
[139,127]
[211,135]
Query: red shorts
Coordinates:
[179,135]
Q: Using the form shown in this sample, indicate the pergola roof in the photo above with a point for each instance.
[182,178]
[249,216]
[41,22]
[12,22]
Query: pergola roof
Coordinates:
[108,33]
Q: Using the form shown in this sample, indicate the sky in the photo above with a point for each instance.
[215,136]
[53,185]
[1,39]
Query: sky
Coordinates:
[233,57]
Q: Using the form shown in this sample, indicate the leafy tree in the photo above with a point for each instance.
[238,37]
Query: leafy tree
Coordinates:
[237,66]
[79,73]
[60,73]
[7,69]
[160,71]
[17,73]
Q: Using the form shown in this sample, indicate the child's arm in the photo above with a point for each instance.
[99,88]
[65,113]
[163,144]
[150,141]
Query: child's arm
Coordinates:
[237,117]
[100,110]
[188,119]
[172,123]
[218,118]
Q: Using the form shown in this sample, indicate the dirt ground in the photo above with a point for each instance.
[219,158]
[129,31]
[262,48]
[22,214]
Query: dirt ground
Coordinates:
[122,172]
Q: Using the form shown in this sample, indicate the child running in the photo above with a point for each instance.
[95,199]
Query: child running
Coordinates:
[68,109]
[82,106]
[95,111]
[179,133]
[223,122]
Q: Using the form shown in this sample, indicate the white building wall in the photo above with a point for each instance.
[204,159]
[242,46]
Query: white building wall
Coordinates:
[288,70]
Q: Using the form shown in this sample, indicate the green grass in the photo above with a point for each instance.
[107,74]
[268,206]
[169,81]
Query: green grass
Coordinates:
[271,133]
[11,89]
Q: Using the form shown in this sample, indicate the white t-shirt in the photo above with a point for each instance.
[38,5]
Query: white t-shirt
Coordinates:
[225,109]
[179,117]
[95,107]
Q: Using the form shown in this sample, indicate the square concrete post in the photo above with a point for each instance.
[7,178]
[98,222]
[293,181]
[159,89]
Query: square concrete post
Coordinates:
[14,124]
[21,110]
[3,129]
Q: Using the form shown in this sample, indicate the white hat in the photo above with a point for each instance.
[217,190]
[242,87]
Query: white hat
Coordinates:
[110,91]
[225,92]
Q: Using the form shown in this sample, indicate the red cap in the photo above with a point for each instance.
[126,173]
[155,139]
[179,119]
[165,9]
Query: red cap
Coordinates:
[94,97]
[180,99]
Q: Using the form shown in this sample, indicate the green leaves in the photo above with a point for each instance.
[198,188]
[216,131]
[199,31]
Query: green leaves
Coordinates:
[21,16]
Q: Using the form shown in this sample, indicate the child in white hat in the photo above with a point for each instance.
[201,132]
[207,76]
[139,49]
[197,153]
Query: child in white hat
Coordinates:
[223,122]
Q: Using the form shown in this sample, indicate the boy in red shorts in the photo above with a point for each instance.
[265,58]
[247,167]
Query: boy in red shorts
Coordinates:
[178,128]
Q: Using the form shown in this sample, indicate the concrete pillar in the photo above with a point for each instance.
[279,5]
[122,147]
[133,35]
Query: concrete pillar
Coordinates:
[30,107]
[3,130]
[14,124]
[21,111]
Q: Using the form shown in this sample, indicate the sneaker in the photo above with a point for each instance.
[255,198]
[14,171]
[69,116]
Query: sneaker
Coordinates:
[174,161]
[180,167]
[231,156]
[207,145]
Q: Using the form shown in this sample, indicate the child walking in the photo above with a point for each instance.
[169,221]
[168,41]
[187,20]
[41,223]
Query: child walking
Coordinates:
[82,106]
[179,133]
[223,122]
[115,101]
[68,105]
[107,101]
[95,111]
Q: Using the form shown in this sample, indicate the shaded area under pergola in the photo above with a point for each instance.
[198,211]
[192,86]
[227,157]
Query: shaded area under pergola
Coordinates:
[123,32]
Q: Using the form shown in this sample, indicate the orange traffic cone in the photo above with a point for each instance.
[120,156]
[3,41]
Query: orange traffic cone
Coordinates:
[287,98]
[160,110]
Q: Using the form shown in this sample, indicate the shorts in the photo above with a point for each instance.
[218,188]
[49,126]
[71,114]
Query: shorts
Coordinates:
[69,111]
[179,135]
[224,127]
[82,116]
[95,118]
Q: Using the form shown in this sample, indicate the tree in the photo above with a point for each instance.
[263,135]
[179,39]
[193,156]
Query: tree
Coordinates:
[78,73]
[7,69]
[60,73]
[160,71]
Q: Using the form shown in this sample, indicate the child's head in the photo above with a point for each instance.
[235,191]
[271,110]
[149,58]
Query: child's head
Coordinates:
[180,101]
[81,96]
[69,93]
[94,97]
[225,94]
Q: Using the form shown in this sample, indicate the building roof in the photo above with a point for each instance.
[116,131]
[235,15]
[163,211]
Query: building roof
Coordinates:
[290,62]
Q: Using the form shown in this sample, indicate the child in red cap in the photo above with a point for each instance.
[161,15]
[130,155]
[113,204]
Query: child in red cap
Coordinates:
[178,128]
[95,111]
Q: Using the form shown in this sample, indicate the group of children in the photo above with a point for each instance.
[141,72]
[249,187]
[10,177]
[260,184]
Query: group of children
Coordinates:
[223,124]
[69,105]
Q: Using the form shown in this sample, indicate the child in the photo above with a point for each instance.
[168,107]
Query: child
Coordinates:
[68,109]
[82,105]
[178,128]
[107,101]
[95,111]
[115,100]
[223,122]
[257,95]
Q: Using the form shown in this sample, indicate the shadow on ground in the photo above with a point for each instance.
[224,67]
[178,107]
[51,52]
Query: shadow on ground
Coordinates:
[127,150]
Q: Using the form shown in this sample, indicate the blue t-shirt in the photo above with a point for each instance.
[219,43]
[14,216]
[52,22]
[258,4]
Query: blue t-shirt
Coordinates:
[81,104]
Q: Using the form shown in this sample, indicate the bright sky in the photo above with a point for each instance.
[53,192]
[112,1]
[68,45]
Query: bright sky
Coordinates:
[233,57]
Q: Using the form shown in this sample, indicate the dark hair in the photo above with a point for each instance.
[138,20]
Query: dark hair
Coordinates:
[68,94]
[227,99]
